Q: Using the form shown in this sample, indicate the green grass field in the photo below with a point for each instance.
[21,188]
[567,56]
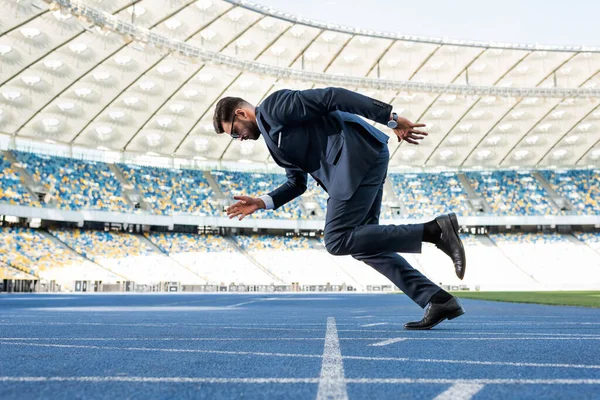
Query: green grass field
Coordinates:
[583,299]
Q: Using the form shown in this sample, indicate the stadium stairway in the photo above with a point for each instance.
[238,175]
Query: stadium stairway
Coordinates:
[559,202]
[62,244]
[37,192]
[392,202]
[132,194]
[144,239]
[10,272]
[475,200]
[216,188]
[253,261]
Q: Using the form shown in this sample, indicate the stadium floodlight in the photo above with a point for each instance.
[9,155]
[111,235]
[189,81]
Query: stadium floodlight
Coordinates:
[205,78]
[517,114]
[266,23]
[559,153]
[164,69]
[532,139]
[60,16]
[596,153]
[176,108]
[456,139]
[572,139]
[465,127]
[11,95]
[505,127]
[154,139]
[173,24]
[101,75]
[208,34]
[136,10]
[584,127]
[494,140]
[478,114]
[189,93]
[482,154]
[147,85]
[78,48]
[164,122]
[408,153]
[116,115]
[83,92]
[558,114]
[31,80]
[66,106]
[50,124]
[5,49]
[103,132]
[520,154]
[122,60]
[235,15]
[446,153]
[30,33]
[545,127]
[131,100]
[203,5]
[53,64]
[201,144]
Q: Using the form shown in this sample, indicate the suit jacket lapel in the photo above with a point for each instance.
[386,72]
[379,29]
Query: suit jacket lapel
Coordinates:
[271,144]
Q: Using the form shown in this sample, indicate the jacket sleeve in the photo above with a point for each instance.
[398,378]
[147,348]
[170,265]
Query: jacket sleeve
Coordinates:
[292,188]
[297,106]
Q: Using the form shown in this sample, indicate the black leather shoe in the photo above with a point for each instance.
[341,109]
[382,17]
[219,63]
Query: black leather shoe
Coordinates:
[451,244]
[436,313]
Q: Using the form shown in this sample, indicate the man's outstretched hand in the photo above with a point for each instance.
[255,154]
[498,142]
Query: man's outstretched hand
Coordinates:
[245,206]
[406,131]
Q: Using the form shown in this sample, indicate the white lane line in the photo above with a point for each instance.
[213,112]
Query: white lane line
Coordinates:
[389,341]
[385,340]
[363,316]
[332,384]
[252,353]
[394,381]
[250,302]
[375,324]
[132,309]
[474,362]
[460,391]
[478,381]
[400,359]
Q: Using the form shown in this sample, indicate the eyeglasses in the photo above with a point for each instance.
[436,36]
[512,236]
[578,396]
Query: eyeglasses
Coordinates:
[234,135]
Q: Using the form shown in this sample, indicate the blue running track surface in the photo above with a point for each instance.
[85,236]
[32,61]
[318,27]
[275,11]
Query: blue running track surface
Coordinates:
[290,346]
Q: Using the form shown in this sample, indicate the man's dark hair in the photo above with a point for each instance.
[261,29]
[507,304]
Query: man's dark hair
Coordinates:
[224,111]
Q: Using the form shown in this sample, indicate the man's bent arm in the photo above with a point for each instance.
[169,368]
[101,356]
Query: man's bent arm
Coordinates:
[298,106]
[292,188]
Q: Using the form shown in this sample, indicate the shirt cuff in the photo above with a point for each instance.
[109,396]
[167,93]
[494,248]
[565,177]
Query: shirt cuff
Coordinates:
[268,201]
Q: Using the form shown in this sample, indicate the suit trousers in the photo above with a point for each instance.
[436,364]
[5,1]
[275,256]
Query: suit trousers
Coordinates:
[352,228]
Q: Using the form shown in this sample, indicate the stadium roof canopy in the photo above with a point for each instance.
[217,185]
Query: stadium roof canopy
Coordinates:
[144,76]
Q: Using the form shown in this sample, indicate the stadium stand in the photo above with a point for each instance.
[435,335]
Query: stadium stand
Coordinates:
[429,194]
[212,257]
[580,187]
[11,190]
[127,255]
[553,260]
[489,268]
[31,251]
[511,193]
[255,184]
[296,259]
[75,184]
[169,191]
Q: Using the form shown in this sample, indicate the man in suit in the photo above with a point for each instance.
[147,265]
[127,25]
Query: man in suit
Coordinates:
[319,132]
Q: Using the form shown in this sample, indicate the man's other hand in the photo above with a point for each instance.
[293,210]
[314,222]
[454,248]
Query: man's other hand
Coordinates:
[406,131]
[245,206]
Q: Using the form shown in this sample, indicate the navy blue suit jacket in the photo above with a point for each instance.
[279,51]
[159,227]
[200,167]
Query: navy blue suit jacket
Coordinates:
[317,132]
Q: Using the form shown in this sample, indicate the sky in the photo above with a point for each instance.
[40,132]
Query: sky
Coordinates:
[573,22]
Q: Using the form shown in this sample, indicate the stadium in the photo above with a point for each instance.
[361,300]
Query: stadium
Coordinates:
[119,265]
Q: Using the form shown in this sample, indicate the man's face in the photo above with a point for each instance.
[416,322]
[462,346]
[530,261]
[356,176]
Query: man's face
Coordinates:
[242,126]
